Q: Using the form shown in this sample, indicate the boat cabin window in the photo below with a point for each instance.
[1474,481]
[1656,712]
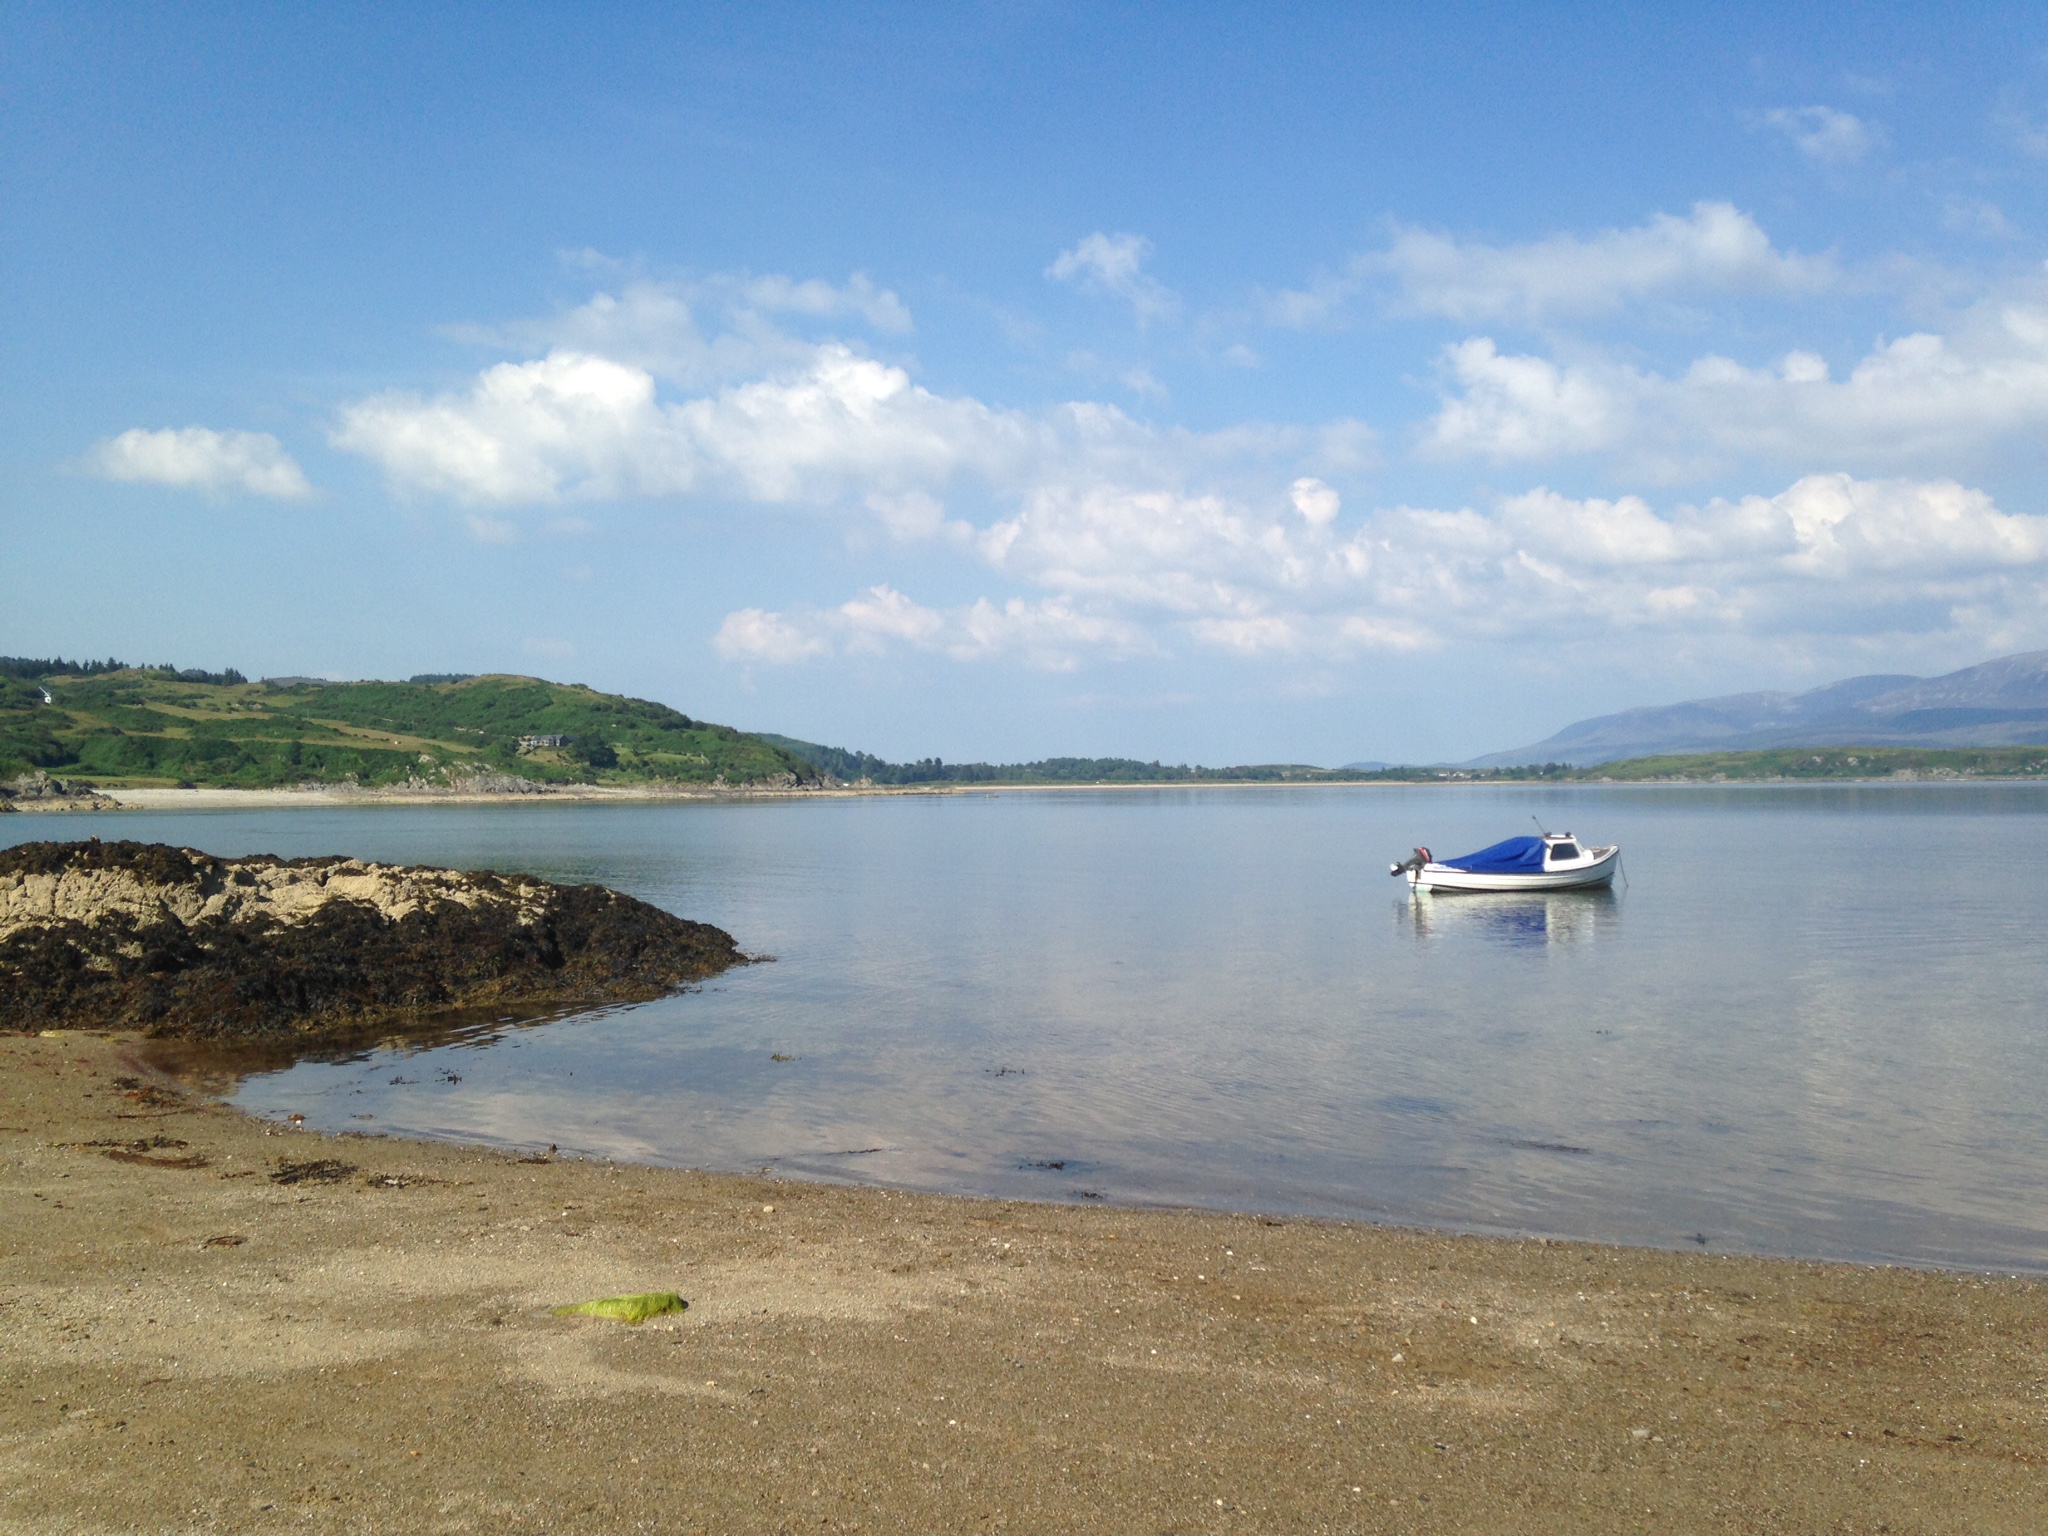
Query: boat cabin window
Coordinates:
[1563,851]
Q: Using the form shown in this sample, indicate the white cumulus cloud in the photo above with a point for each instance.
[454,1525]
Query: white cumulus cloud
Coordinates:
[1100,536]
[1521,407]
[1051,634]
[1314,500]
[1824,135]
[773,420]
[1132,572]
[1164,553]
[576,425]
[753,634]
[570,423]
[1828,553]
[1716,248]
[1912,401]
[1115,264]
[775,294]
[708,330]
[201,458]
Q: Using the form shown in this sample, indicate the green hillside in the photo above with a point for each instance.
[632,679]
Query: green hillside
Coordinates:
[113,724]
[1832,763]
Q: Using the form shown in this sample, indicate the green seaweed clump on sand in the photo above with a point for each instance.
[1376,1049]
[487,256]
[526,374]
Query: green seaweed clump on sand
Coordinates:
[627,1309]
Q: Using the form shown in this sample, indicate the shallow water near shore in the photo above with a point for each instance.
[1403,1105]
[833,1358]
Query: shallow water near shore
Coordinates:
[1810,1023]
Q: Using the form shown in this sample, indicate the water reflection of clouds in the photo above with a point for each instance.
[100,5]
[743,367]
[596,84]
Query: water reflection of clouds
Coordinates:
[1210,1007]
[1515,919]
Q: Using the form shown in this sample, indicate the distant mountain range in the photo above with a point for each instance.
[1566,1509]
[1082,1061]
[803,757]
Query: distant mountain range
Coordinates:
[1997,703]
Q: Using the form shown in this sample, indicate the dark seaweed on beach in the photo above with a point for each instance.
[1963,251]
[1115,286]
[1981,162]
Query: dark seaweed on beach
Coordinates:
[320,1170]
[348,968]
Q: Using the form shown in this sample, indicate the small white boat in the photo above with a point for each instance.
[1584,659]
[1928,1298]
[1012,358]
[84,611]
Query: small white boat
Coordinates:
[1556,861]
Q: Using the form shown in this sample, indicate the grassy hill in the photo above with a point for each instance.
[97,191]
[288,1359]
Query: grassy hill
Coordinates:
[1831,763]
[111,724]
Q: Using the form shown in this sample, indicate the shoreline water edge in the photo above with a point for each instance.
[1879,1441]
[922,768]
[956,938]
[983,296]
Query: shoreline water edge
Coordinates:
[260,1325]
[266,1326]
[101,798]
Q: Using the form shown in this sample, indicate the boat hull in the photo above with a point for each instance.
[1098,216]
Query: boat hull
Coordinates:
[1597,870]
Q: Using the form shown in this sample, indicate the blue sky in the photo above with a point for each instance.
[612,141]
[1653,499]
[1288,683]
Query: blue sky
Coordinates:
[1211,383]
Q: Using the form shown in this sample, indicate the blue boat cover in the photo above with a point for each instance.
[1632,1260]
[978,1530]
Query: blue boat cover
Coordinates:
[1516,856]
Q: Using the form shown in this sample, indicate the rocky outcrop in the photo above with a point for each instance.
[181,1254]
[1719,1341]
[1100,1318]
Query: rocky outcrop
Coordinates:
[480,781]
[39,792]
[177,942]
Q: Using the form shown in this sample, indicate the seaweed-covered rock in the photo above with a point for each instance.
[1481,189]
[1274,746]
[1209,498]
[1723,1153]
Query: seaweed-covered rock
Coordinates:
[177,942]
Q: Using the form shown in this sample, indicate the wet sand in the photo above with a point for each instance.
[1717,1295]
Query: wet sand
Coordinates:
[212,1323]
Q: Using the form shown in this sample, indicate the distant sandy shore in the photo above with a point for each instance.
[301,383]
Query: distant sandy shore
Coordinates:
[247,799]
[214,1323]
[156,799]
[273,799]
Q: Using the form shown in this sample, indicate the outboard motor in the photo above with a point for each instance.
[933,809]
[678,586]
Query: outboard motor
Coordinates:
[1414,865]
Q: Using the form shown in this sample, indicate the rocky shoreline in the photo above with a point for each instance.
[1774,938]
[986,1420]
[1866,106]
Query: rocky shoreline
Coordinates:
[177,943]
[40,792]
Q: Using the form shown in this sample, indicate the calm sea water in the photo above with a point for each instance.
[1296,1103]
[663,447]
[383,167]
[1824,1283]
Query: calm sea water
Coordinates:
[1812,1022]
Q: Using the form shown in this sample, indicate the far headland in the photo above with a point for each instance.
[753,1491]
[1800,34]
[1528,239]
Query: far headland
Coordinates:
[104,735]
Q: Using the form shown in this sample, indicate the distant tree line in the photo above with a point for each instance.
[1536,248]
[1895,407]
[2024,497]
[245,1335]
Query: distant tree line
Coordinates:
[33,668]
[1518,771]
[853,767]
[224,679]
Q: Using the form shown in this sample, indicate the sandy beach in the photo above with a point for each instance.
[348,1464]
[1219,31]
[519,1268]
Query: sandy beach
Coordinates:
[207,799]
[214,1323]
